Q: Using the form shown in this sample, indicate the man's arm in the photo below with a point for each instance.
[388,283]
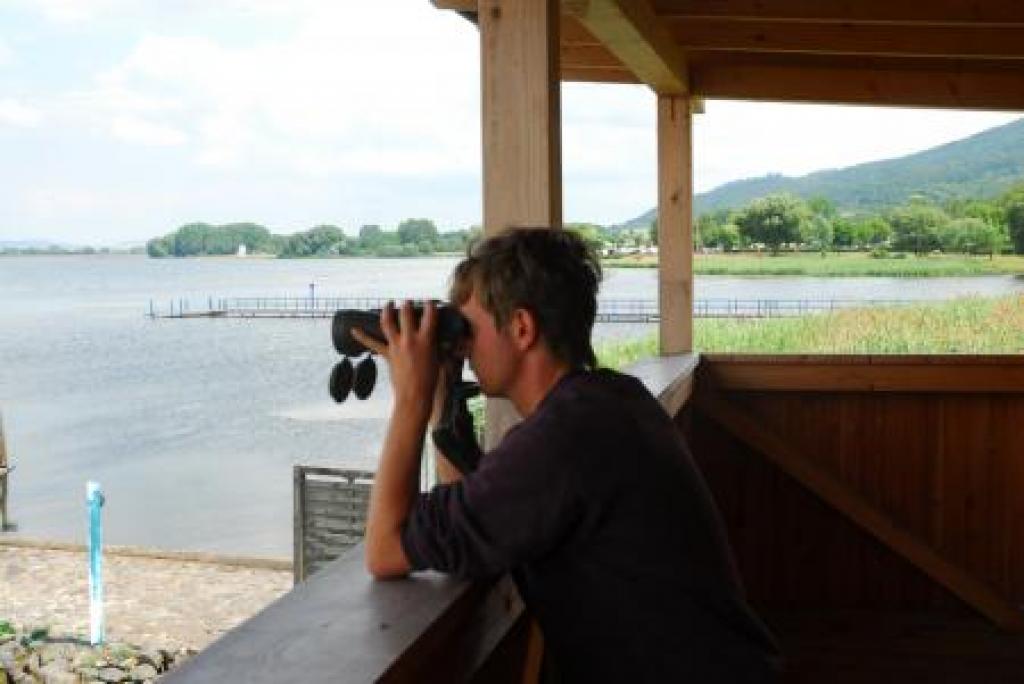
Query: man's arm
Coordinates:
[394,490]
[410,352]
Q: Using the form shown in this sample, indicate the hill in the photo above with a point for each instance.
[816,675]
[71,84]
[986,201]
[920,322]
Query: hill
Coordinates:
[982,165]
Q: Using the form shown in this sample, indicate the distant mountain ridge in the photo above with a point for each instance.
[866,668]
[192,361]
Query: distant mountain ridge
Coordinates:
[981,165]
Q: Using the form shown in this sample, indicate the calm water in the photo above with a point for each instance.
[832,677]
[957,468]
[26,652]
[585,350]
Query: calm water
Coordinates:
[193,426]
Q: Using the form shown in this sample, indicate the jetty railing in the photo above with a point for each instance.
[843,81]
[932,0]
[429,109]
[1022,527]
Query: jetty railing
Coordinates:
[610,310]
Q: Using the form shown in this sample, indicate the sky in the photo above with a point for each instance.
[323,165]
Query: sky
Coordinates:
[121,120]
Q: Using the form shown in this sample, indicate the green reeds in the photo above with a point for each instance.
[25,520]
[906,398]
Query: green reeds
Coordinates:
[970,325]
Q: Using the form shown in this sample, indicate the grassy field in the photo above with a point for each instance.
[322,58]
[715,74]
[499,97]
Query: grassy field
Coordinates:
[844,264]
[967,326]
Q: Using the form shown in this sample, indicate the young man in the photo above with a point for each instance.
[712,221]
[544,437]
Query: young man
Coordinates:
[592,502]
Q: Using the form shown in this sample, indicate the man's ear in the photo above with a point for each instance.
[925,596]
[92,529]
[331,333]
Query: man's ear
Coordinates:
[523,328]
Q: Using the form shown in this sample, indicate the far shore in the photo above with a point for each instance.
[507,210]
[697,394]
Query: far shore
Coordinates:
[811,264]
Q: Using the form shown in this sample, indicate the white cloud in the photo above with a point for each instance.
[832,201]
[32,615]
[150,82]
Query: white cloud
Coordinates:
[136,130]
[357,87]
[71,11]
[15,113]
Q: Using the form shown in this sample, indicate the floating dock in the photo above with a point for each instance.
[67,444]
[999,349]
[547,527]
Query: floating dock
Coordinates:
[608,310]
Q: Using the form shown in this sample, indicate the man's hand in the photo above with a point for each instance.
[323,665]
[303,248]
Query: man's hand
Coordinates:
[411,353]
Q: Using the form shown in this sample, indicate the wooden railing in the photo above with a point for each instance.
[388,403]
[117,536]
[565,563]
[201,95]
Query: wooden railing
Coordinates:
[342,626]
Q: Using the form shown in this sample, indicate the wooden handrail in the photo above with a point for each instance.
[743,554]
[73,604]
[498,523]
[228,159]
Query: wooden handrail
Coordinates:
[668,378]
[342,626]
[865,373]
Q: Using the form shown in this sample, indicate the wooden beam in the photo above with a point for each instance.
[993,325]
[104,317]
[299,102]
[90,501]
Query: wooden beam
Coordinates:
[588,57]
[634,34]
[522,165]
[675,224]
[600,75]
[860,11]
[848,502]
[457,5]
[957,86]
[993,42]
[521,110]
[866,373]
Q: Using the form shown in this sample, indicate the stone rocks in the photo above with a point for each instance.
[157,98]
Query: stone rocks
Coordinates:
[35,655]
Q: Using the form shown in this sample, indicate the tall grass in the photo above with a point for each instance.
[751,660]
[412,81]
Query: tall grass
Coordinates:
[963,326]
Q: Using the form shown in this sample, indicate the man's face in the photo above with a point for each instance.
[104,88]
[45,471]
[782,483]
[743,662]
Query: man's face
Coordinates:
[491,353]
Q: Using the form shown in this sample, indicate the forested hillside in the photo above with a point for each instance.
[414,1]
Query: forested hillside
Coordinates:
[981,166]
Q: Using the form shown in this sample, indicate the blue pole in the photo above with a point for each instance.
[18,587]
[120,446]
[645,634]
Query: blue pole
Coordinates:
[94,499]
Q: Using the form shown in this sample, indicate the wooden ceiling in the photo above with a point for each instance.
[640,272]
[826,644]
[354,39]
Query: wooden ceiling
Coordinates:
[937,53]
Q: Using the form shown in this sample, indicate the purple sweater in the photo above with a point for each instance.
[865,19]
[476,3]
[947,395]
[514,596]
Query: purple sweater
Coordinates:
[596,507]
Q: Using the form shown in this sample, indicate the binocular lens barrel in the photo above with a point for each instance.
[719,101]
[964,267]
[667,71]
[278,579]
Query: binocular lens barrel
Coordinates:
[452,327]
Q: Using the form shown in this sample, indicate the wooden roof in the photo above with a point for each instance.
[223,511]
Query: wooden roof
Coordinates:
[941,53]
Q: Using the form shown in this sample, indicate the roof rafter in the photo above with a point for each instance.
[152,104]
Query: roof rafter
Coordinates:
[944,41]
[935,12]
[634,34]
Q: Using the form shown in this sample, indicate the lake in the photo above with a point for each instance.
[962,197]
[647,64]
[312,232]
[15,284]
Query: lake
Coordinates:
[193,426]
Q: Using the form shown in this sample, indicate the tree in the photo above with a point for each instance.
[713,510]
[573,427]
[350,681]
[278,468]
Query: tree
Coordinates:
[726,238]
[323,240]
[158,247]
[590,233]
[417,231]
[190,239]
[970,236]
[916,227]
[822,206]
[370,236]
[773,221]
[817,232]
[871,231]
[1014,208]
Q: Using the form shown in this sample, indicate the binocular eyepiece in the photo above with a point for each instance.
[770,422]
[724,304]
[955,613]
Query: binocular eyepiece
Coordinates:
[359,379]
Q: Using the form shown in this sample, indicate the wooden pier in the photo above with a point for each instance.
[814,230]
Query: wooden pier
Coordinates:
[608,310]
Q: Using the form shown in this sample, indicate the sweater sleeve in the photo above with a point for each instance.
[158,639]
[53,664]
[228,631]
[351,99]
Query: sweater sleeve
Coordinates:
[513,509]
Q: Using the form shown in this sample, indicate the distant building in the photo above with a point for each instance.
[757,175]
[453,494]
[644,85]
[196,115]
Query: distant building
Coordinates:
[241,250]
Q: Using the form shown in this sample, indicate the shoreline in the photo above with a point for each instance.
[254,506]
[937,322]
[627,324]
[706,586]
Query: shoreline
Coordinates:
[254,562]
[155,600]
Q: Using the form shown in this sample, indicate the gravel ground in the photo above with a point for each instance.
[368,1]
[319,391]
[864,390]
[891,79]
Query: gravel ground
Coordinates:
[153,603]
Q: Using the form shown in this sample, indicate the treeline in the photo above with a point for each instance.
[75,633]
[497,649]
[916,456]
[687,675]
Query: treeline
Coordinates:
[772,223]
[412,237]
[782,221]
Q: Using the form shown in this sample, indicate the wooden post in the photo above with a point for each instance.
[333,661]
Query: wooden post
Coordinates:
[522,161]
[3,476]
[522,156]
[675,224]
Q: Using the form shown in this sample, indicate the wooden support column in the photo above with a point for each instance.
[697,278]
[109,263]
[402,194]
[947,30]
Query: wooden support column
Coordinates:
[4,469]
[521,114]
[675,224]
[522,168]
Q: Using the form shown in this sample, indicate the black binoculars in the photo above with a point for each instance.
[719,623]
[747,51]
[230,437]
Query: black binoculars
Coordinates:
[454,435]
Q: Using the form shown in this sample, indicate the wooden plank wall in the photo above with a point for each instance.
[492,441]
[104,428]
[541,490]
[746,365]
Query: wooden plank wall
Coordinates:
[947,466]
[330,515]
